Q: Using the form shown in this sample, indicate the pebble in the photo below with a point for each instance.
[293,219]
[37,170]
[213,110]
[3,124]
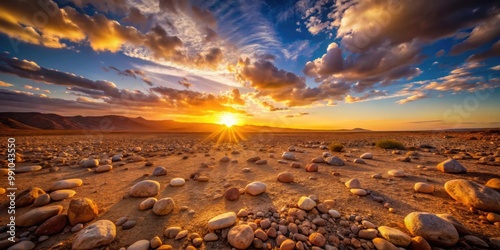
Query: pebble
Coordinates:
[66,184]
[353,183]
[171,232]
[129,224]
[358,191]
[103,168]
[147,203]
[423,187]
[255,188]
[164,206]
[396,173]
[222,221]
[159,171]
[155,242]
[210,237]
[99,233]
[306,203]
[240,236]
[82,210]
[177,182]
[23,245]
[366,156]
[146,188]
[62,194]
[139,245]
[394,236]
[312,167]
[285,177]
[232,194]
[37,215]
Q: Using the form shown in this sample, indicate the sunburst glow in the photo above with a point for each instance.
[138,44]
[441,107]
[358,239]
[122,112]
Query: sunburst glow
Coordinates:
[228,119]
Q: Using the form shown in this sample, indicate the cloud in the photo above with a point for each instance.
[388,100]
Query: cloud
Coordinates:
[116,6]
[440,53]
[412,98]
[495,67]
[370,95]
[491,52]
[135,16]
[366,69]
[128,72]
[296,115]
[185,83]
[147,81]
[271,107]
[480,35]
[4,84]
[368,24]
[428,121]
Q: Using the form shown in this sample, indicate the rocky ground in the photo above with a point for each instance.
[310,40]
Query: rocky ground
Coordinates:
[270,191]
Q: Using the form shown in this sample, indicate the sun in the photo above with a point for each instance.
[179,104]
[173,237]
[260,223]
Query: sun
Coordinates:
[228,119]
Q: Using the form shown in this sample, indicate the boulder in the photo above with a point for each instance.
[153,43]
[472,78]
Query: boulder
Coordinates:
[474,195]
[82,210]
[451,166]
[98,234]
[432,228]
[146,188]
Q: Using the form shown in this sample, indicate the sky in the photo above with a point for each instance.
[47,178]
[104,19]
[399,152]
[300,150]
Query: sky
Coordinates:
[373,64]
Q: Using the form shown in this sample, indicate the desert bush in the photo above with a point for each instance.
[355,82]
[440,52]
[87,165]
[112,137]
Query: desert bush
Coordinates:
[389,144]
[336,147]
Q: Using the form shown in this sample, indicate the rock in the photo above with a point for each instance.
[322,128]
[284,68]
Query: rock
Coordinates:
[37,215]
[99,233]
[366,156]
[288,156]
[155,242]
[334,213]
[403,159]
[494,183]
[396,173]
[423,187]
[164,206]
[103,168]
[53,225]
[77,228]
[139,245]
[475,241]
[312,167]
[432,228]
[160,171]
[318,159]
[210,237]
[225,159]
[82,210]
[451,166]
[128,224]
[91,163]
[23,245]
[353,183]
[461,229]
[306,203]
[171,232]
[232,194]
[317,239]
[135,158]
[26,169]
[117,157]
[382,244]
[240,236]
[261,162]
[359,161]
[42,200]
[368,234]
[419,243]
[495,242]
[222,221]
[28,196]
[66,184]
[203,179]
[474,195]
[146,188]
[255,188]
[62,194]
[395,236]
[177,182]
[493,217]
[253,159]
[295,165]
[121,221]
[147,203]
[285,177]
[359,191]
[287,244]
[334,161]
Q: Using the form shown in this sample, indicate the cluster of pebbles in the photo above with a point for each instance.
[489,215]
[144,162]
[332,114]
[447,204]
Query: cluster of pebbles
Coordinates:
[310,223]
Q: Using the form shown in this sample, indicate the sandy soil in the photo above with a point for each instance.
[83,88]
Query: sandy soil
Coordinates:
[110,190]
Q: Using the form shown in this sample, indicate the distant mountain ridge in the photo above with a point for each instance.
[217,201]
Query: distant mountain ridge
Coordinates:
[39,121]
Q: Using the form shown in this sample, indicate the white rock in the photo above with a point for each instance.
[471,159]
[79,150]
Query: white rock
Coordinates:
[288,156]
[255,188]
[99,233]
[366,156]
[222,221]
[353,183]
[306,203]
[177,182]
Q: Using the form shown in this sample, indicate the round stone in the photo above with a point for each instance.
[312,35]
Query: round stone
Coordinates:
[62,194]
[366,156]
[285,177]
[358,191]
[432,228]
[423,187]
[451,166]
[99,233]
[147,203]
[312,167]
[395,236]
[474,195]
[160,171]
[103,168]
[82,210]
[241,236]
[306,203]
[146,188]
[396,173]
[232,194]
[177,182]
[222,221]
[353,183]
[164,206]
[66,184]
[255,188]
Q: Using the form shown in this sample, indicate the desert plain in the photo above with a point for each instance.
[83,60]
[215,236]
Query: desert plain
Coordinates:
[205,178]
